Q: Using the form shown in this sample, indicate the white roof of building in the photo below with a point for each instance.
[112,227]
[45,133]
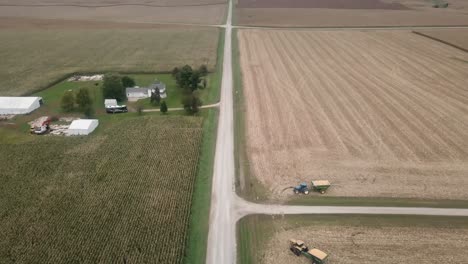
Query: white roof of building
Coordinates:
[17,102]
[82,123]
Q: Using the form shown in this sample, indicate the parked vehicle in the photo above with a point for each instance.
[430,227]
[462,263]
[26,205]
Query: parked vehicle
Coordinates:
[116,109]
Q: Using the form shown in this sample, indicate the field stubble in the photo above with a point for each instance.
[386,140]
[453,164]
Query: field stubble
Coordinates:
[331,14]
[159,11]
[383,241]
[379,114]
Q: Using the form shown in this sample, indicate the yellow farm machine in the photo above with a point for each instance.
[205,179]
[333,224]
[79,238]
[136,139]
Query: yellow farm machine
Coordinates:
[299,248]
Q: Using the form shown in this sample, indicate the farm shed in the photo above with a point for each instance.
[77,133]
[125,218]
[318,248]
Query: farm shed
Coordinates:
[82,126]
[19,105]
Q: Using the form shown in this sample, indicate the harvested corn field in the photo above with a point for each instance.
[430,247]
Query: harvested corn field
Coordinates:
[140,11]
[121,195]
[379,114]
[333,4]
[357,13]
[357,239]
[454,37]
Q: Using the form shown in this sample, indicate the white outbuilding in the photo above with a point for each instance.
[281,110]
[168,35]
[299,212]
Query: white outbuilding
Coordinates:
[110,102]
[19,105]
[82,127]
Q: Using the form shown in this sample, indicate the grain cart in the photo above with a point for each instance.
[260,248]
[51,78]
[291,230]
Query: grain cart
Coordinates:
[321,186]
[299,248]
[301,188]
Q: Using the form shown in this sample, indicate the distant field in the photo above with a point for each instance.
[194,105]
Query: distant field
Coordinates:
[120,195]
[455,37]
[34,58]
[335,13]
[355,239]
[333,4]
[152,11]
[379,114]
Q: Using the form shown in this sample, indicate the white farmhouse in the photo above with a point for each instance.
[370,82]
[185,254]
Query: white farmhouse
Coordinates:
[19,105]
[137,93]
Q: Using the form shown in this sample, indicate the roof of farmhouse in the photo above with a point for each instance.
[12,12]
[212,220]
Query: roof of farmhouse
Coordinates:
[157,84]
[17,102]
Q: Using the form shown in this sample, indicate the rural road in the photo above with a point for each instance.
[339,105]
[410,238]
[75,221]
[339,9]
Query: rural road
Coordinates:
[227,208]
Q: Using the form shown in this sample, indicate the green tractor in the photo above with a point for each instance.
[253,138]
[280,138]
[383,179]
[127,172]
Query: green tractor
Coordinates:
[299,248]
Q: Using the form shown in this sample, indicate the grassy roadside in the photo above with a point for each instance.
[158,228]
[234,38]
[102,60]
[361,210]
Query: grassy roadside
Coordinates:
[247,186]
[256,230]
[195,251]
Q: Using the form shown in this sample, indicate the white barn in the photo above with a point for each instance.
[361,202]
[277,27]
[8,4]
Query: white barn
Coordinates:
[82,127]
[19,105]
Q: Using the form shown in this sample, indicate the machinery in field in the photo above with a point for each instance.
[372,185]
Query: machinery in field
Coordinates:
[301,188]
[321,186]
[41,126]
[299,248]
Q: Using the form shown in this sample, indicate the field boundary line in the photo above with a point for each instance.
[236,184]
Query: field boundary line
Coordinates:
[352,28]
[439,40]
[110,5]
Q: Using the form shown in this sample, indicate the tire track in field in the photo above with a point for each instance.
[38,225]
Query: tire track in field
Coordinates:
[415,64]
[346,89]
[439,136]
[390,121]
[407,115]
[318,122]
[325,98]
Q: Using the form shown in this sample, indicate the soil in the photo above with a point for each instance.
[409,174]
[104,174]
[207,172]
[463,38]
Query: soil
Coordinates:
[378,114]
[454,37]
[40,23]
[418,13]
[334,4]
[373,245]
[198,12]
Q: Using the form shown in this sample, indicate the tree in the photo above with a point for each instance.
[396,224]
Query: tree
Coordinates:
[83,99]
[204,83]
[175,71]
[184,77]
[187,78]
[88,111]
[191,101]
[155,96]
[128,82]
[163,107]
[68,101]
[203,70]
[194,80]
[139,108]
[113,87]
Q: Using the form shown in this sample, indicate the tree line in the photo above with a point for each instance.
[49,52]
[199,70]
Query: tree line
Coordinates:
[191,81]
